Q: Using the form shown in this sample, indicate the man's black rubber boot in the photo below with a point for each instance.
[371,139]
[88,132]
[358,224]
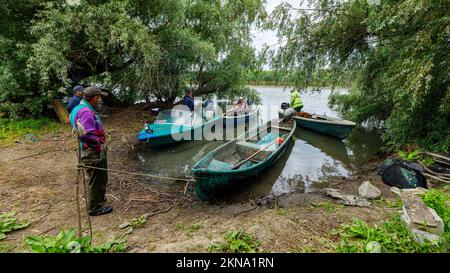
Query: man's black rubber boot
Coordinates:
[99,210]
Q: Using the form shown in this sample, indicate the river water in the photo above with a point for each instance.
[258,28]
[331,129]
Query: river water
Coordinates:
[307,162]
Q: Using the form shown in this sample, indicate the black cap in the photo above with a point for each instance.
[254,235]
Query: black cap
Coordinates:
[94,91]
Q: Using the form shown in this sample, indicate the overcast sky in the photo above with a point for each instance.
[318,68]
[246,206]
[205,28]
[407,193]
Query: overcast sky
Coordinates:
[269,37]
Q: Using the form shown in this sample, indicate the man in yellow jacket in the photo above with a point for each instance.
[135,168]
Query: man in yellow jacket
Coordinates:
[296,100]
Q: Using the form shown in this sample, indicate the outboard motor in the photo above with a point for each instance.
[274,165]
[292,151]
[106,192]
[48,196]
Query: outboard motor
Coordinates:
[286,111]
[285,105]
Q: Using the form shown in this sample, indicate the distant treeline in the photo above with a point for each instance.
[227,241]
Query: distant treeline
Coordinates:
[318,79]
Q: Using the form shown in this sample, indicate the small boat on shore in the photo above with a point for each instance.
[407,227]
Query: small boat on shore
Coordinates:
[234,118]
[325,125]
[230,165]
[175,126]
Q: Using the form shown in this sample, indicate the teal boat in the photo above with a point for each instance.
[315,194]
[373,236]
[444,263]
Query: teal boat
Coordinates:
[234,118]
[229,166]
[326,125]
[175,126]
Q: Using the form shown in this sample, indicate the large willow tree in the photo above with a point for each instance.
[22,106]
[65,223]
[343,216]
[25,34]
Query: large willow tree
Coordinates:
[397,51]
[152,49]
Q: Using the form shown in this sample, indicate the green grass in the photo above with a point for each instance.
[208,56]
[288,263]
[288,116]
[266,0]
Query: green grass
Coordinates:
[438,200]
[4,248]
[328,206]
[11,130]
[179,226]
[193,228]
[391,236]
[388,203]
[283,211]
[67,242]
[236,242]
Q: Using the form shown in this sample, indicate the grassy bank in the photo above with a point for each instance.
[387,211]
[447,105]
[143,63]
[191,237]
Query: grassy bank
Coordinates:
[29,129]
[323,78]
[392,235]
[283,84]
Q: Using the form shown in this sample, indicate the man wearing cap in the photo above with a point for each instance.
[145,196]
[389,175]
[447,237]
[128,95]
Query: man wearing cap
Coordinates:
[91,134]
[77,97]
[188,100]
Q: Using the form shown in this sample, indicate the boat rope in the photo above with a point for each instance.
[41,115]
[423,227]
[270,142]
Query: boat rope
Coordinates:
[139,174]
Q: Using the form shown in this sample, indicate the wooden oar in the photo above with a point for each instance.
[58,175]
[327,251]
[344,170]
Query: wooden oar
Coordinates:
[273,126]
[253,155]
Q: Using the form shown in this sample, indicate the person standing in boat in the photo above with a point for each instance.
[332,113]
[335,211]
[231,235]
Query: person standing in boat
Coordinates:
[188,100]
[75,100]
[91,135]
[296,100]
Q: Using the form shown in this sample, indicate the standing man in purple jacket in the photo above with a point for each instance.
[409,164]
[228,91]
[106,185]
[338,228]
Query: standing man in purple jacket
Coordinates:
[91,134]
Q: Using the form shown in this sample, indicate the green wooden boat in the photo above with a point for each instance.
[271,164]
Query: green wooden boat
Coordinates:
[234,118]
[175,126]
[230,165]
[326,125]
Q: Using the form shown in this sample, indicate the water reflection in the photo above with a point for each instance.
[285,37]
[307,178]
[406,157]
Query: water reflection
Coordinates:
[175,160]
[362,145]
[307,161]
[307,164]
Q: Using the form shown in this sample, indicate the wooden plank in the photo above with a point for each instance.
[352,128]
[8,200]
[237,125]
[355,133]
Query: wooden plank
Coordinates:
[258,152]
[282,128]
[61,111]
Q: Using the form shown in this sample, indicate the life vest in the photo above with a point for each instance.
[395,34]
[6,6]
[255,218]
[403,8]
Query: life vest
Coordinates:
[296,100]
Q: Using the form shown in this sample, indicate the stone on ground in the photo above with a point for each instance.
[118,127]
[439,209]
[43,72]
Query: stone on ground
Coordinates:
[369,191]
[423,221]
[348,199]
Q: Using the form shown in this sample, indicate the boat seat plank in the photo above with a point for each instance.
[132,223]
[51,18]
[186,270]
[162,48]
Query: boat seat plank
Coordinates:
[245,149]
[282,128]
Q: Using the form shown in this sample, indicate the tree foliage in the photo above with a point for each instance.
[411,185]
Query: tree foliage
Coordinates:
[398,52]
[138,49]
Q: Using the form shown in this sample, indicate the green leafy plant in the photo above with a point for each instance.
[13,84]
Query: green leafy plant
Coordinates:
[409,156]
[390,236]
[236,242]
[416,155]
[397,203]
[9,223]
[149,48]
[193,228]
[427,161]
[134,223]
[67,242]
[10,129]
[396,54]
[439,201]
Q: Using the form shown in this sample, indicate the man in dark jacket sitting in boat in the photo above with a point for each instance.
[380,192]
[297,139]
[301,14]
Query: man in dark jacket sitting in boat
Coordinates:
[188,100]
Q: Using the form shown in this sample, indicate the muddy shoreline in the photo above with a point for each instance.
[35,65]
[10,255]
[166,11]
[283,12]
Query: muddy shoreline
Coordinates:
[41,189]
